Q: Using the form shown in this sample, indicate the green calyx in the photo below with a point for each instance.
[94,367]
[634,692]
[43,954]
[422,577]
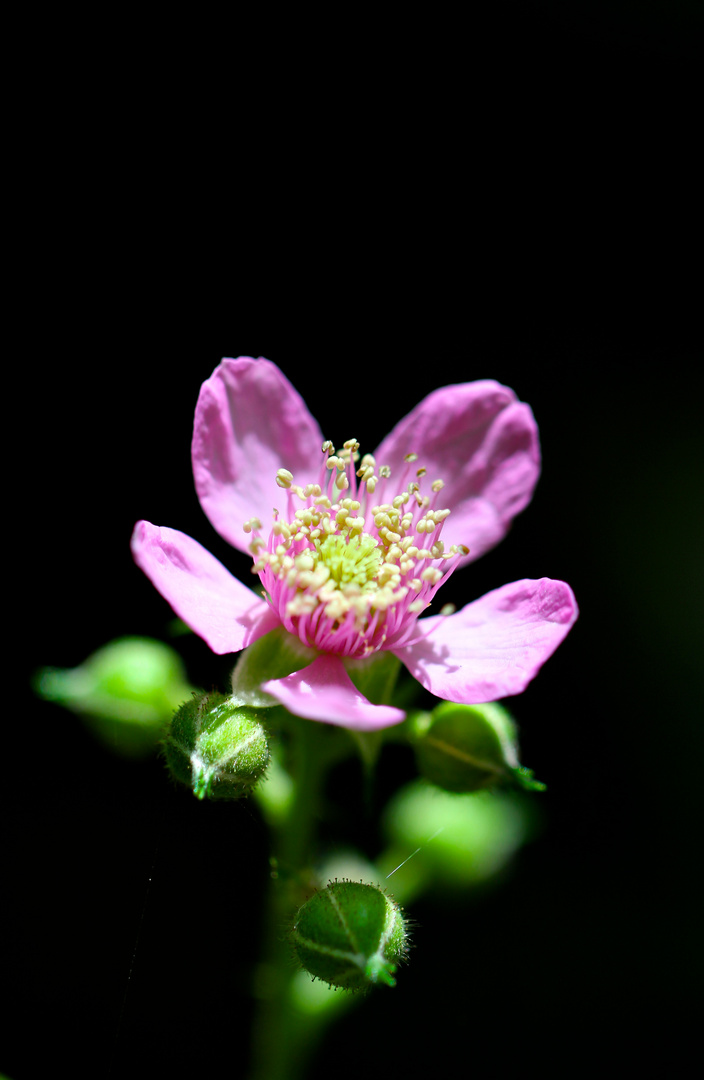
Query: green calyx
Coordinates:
[350,935]
[272,656]
[463,748]
[218,749]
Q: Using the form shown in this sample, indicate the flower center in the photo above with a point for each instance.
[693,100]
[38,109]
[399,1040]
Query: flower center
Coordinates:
[346,573]
[350,562]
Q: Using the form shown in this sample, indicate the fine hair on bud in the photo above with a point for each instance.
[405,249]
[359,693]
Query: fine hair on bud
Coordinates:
[216,748]
[350,935]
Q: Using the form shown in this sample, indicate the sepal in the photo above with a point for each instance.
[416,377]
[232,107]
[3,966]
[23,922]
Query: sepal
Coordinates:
[464,748]
[273,656]
[350,935]
[218,749]
[375,676]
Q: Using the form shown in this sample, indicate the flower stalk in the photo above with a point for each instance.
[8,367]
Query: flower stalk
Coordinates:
[283,1035]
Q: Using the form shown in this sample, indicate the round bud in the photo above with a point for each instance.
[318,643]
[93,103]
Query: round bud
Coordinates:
[350,935]
[126,692]
[465,748]
[438,838]
[216,748]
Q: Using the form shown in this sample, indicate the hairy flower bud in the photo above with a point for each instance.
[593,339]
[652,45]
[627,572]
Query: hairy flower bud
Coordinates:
[126,692]
[216,748]
[442,839]
[464,748]
[350,935]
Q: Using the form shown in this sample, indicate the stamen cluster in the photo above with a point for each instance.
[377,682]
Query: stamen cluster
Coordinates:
[348,574]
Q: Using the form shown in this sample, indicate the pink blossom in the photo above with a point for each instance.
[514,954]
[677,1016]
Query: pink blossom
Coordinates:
[351,550]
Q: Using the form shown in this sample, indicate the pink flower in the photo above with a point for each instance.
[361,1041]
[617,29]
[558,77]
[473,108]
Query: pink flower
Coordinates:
[357,549]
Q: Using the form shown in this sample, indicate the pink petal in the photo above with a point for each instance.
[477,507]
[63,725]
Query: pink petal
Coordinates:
[494,646]
[218,607]
[249,423]
[324,691]
[483,444]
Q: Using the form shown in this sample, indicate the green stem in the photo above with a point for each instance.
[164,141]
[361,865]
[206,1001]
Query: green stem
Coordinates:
[282,1035]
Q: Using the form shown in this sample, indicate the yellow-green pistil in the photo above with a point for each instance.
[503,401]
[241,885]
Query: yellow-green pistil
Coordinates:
[351,562]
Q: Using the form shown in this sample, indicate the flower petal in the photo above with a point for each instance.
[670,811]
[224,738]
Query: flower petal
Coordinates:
[494,646]
[324,691]
[250,422]
[218,607]
[483,444]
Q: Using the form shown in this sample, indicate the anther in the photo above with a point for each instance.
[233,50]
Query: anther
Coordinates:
[284,478]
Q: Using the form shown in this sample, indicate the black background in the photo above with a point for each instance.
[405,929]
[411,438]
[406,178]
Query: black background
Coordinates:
[384,215]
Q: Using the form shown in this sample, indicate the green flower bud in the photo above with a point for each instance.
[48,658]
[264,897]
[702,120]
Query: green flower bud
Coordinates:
[442,839]
[466,748]
[216,748]
[126,692]
[350,935]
